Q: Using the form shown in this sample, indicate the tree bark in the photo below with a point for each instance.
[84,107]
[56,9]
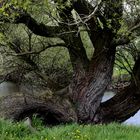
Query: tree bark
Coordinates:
[52,110]
[88,90]
[87,110]
[125,103]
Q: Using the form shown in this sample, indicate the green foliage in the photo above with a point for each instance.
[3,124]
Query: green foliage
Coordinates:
[19,131]
[46,11]
[124,62]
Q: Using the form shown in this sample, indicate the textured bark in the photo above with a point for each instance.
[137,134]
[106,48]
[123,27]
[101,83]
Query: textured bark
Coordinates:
[125,103]
[38,28]
[51,110]
[88,90]
[73,41]
[120,107]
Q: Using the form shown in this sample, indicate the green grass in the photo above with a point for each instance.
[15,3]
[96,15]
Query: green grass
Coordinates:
[19,131]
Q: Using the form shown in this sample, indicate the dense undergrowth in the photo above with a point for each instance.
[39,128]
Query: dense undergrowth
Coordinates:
[20,131]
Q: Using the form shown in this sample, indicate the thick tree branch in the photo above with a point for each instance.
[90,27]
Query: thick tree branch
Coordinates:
[53,111]
[84,9]
[103,14]
[40,51]
[73,41]
[135,27]
[38,28]
[125,103]
[123,40]
[26,19]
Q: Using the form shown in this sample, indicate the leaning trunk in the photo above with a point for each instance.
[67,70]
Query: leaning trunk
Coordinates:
[125,103]
[52,110]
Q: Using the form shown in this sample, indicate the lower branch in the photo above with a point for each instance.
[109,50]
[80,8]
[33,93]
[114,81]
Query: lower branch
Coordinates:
[124,104]
[119,108]
[53,111]
[88,90]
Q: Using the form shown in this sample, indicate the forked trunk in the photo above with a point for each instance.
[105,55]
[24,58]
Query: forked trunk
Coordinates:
[88,108]
[88,88]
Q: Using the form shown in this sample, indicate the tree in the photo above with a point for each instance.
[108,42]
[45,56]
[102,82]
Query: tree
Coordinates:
[103,21]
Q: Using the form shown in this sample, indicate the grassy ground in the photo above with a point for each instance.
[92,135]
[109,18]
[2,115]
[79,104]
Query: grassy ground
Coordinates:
[19,131]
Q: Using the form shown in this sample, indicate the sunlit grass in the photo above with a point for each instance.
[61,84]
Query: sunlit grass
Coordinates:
[20,131]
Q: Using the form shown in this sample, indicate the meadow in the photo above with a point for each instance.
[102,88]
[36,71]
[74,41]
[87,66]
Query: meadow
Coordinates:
[19,131]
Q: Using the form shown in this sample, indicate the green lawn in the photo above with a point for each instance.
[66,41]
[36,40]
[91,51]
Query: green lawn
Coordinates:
[19,131]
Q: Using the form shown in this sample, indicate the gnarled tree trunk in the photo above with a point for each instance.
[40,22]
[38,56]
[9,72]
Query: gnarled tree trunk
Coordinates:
[53,111]
[90,78]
